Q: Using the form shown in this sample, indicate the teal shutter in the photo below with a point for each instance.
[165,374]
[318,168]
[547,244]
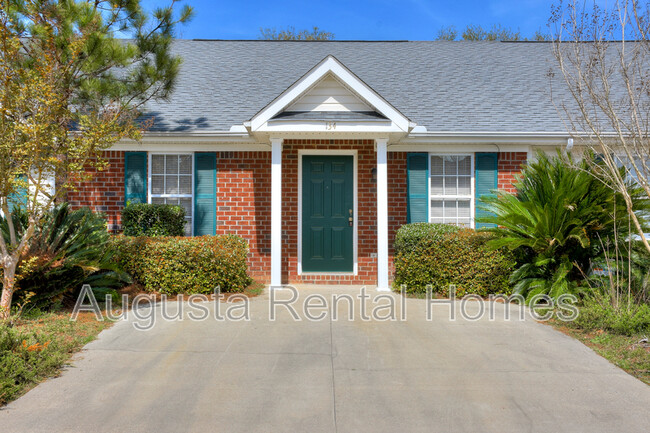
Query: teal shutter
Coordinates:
[205,194]
[135,177]
[486,182]
[19,198]
[417,167]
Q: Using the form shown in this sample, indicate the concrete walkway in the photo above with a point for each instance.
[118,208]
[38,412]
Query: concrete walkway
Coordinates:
[334,376]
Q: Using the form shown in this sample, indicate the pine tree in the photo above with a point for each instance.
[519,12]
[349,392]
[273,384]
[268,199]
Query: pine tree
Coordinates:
[70,88]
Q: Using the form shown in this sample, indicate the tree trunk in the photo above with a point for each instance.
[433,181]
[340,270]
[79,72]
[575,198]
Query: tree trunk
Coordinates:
[8,287]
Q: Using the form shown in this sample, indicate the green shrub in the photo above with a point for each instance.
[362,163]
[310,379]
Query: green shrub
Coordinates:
[598,312]
[69,249]
[145,219]
[441,255]
[409,236]
[185,265]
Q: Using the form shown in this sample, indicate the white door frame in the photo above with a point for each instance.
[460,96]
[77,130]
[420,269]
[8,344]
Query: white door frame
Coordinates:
[355,236]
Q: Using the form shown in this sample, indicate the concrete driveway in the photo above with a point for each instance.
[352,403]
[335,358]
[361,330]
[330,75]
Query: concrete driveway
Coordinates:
[335,376]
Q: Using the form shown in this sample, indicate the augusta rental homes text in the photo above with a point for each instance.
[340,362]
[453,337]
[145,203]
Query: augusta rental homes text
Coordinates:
[317,152]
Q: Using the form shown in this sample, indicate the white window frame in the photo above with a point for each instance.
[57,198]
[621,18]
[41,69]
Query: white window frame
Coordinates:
[472,191]
[149,174]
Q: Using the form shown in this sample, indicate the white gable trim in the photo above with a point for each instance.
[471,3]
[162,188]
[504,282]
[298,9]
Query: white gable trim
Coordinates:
[329,65]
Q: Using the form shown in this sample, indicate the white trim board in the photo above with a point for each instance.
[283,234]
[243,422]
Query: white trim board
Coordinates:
[355,199]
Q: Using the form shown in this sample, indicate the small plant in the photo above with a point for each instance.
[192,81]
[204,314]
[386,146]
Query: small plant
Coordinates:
[36,348]
[145,219]
[599,312]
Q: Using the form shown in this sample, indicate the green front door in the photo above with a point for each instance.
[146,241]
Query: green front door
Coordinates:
[327,213]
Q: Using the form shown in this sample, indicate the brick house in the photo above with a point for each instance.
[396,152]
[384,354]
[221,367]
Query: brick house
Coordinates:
[317,152]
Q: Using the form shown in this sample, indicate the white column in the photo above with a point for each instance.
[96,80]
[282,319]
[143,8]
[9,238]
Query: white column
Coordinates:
[276,212]
[382,214]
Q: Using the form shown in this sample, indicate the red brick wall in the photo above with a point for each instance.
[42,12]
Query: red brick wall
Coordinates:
[397,199]
[104,192]
[510,164]
[244,204]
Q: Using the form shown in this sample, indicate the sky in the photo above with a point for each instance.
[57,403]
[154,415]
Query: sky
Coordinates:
[358,19]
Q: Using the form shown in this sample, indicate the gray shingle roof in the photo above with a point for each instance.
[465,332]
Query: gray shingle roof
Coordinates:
[444,86]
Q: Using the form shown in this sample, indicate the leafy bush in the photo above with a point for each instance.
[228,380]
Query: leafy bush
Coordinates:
[560,219]
[409,236]
[185,265]
[597,311]
[441,255]
[145,219]
[69,248]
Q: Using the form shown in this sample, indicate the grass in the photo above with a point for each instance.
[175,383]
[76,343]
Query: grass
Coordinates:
[621,350]
[38,347]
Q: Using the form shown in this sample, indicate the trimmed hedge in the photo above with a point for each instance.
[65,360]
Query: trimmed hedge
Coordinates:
[185,265]
[441,255]
[146,219]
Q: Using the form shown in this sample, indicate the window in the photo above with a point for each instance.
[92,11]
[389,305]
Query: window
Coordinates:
[451,189]
[172,183]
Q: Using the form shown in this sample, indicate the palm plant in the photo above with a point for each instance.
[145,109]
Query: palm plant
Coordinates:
[69,248]
[560,220]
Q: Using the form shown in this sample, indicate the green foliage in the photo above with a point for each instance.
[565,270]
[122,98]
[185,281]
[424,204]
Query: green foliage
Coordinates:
[410,236]
[105,68]
[441,255]
[599,311]
[68,249]
[290,34]
[38,348]
[185,265]
[559,220]
[144,219]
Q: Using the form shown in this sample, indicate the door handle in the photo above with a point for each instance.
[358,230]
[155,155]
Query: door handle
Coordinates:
[350,220]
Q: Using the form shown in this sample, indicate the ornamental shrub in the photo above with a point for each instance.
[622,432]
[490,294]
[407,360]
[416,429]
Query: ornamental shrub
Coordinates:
[68,249]
[441,255]
[146,219]
[174,265]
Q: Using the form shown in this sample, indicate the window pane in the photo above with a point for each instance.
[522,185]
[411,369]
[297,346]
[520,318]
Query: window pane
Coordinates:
[464,185]
[450,185]
[463,209]
[185,185]
[157,164]
[465,165]
[186,203]
[436,165]
[450,211]
[436,210]
[157,184]
[171,164]
[436,186]
[450,164]
[185,164]
[171,184]
[157,200]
